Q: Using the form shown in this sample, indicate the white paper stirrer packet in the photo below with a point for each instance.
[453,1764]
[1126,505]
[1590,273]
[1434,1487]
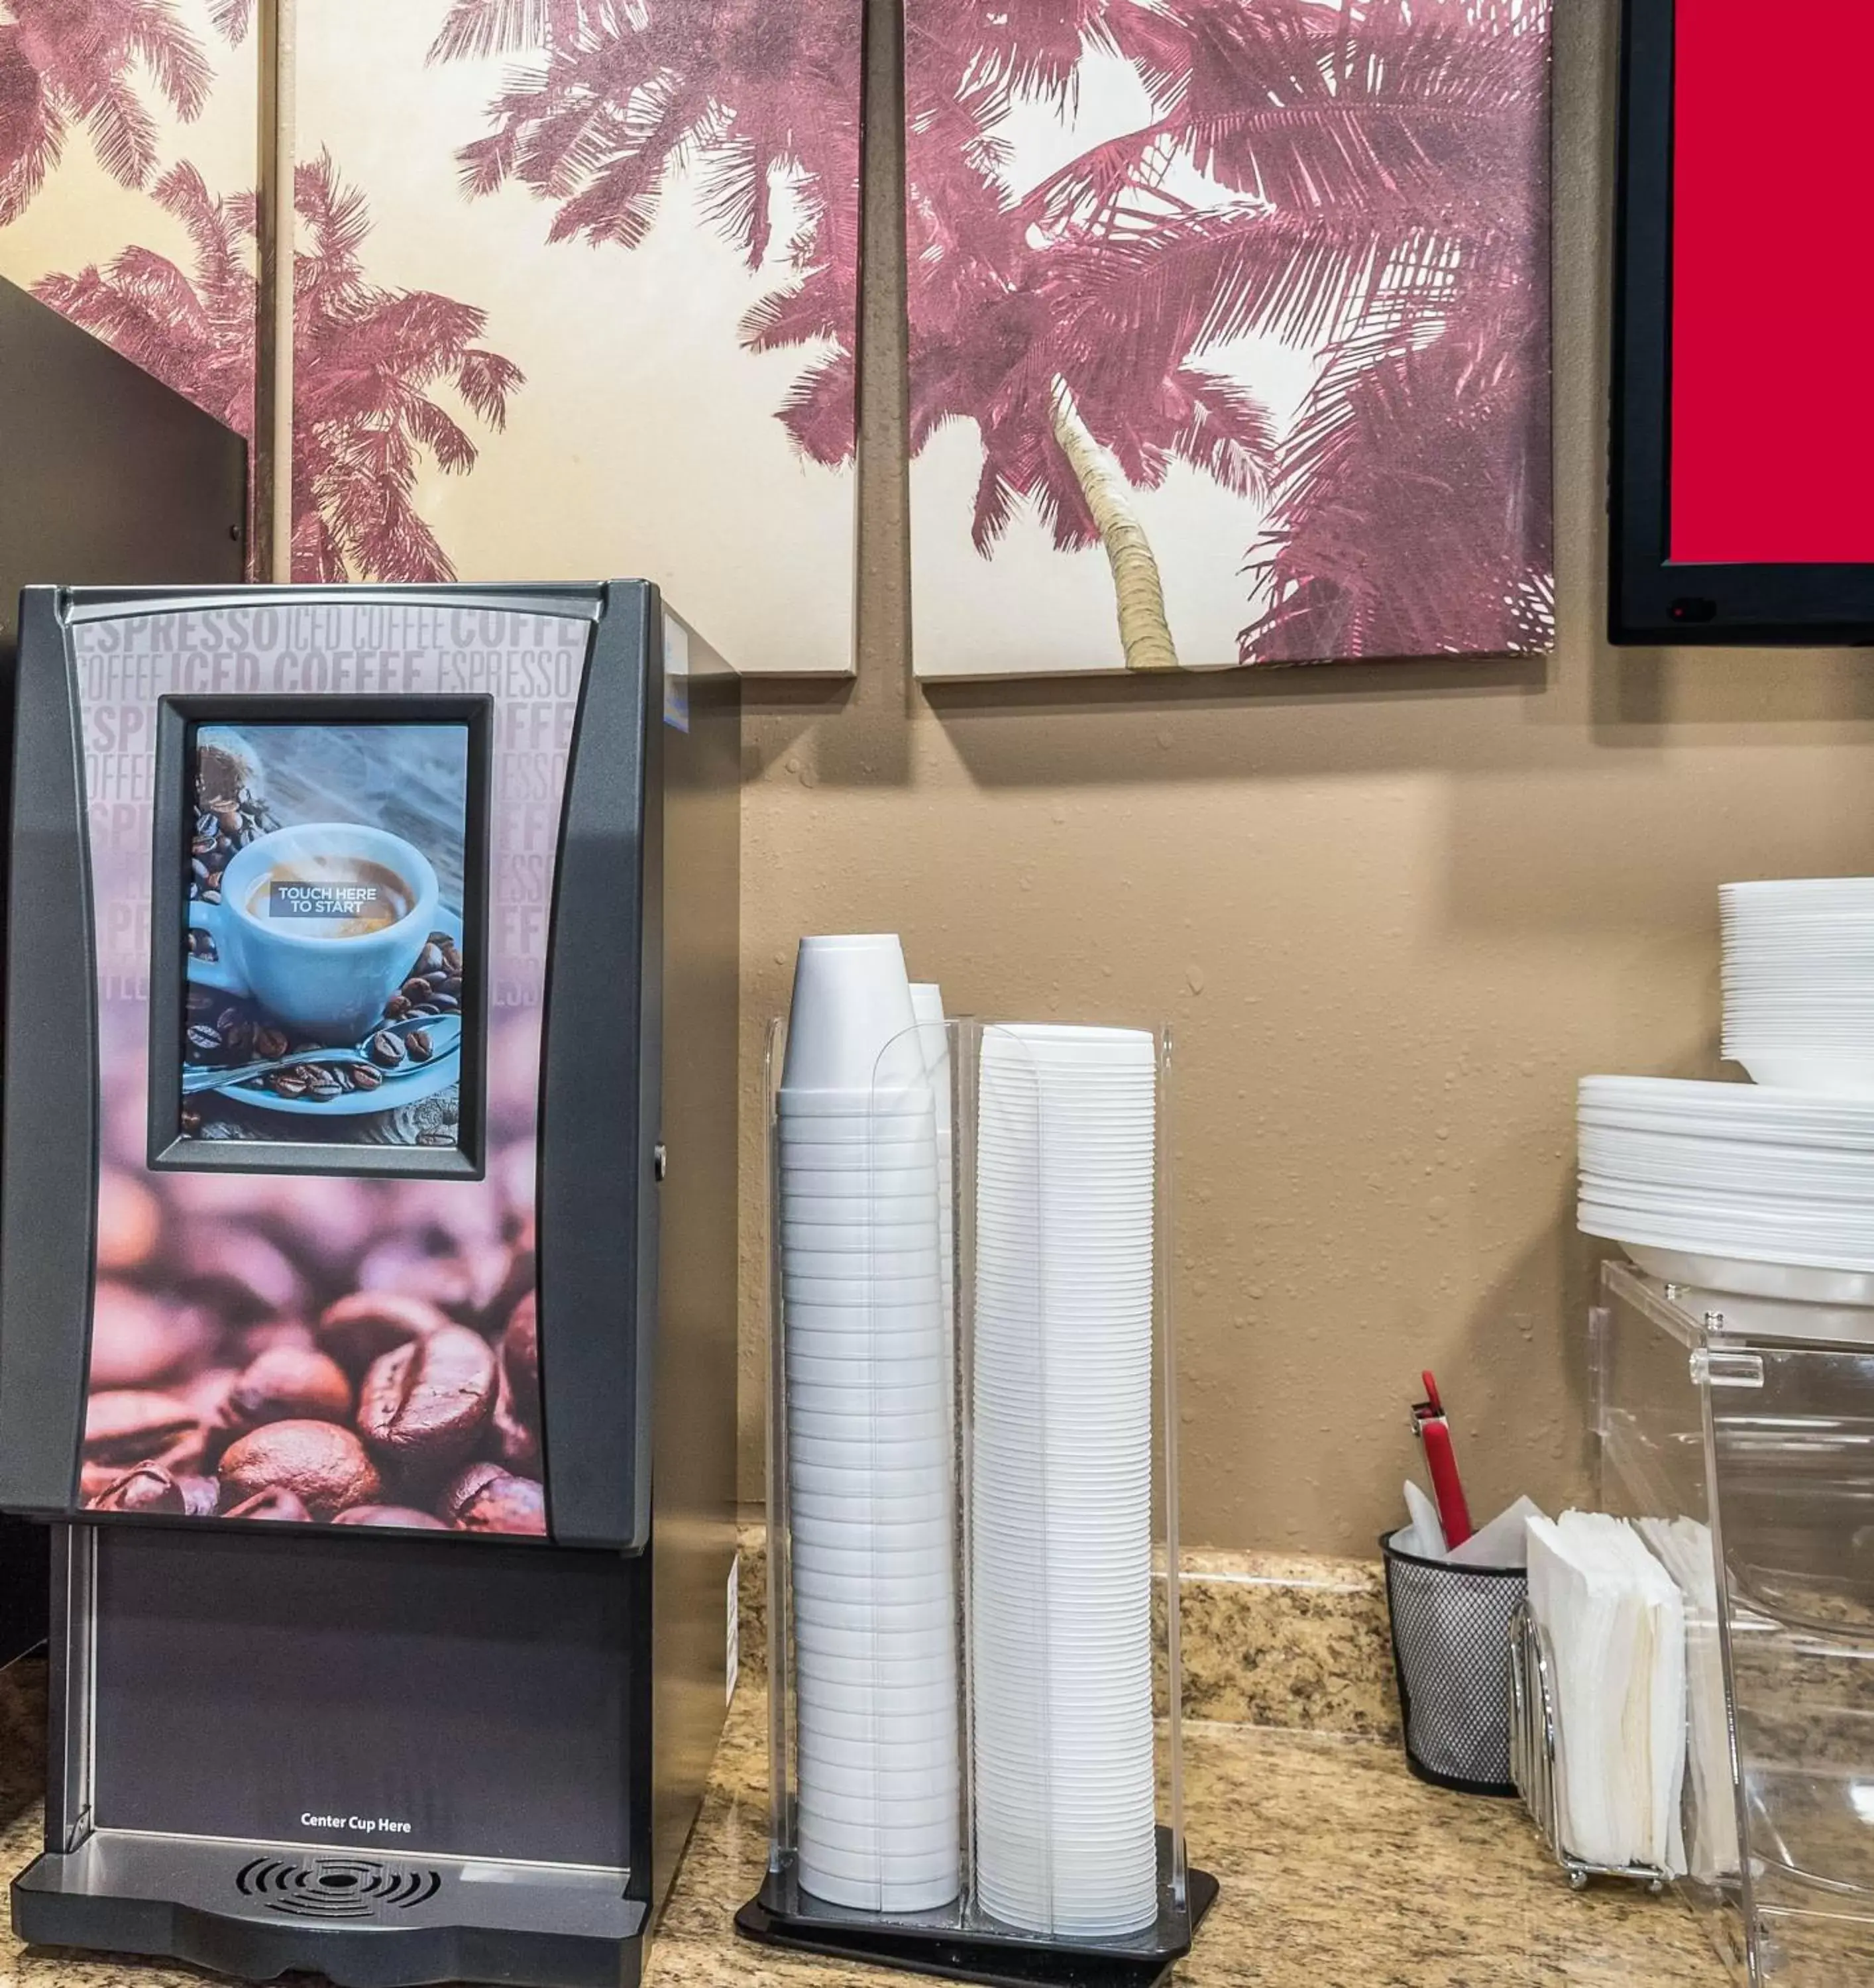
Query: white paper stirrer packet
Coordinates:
[1424,1533]
[1504,1542]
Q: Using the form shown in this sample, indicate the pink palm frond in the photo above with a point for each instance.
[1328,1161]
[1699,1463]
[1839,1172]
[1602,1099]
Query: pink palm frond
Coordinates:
[759,102]
[367,360]
[1378,184]
[64,64]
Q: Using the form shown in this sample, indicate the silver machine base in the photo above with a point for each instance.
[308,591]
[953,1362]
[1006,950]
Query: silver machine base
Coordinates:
[362,1919]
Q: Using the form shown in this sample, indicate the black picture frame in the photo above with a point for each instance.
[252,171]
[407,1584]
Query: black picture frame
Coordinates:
[178,719]
[1652,599]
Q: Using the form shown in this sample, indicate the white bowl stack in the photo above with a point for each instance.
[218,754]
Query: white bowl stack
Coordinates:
[1799,982]
[870,1480]
[1060,1492]
[1761,1195]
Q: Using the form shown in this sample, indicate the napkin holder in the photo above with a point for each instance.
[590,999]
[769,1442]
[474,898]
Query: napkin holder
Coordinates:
[1535,1756]
[962,1940]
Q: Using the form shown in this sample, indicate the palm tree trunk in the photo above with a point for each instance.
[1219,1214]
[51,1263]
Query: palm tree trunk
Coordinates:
[1144,633]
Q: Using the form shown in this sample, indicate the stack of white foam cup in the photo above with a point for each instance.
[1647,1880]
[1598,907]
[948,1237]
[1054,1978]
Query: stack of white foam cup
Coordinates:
[1060,1488]
[869,1453]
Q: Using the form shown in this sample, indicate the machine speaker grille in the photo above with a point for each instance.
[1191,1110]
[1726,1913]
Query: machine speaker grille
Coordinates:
[335,1888]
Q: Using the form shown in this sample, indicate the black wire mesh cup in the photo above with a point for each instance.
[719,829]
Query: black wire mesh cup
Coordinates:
[1451,1650]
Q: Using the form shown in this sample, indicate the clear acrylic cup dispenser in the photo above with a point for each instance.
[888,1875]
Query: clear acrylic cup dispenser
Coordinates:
[973,1662]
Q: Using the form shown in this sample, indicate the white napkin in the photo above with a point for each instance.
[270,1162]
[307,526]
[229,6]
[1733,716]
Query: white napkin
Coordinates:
[1685,1546]
[1615,1625]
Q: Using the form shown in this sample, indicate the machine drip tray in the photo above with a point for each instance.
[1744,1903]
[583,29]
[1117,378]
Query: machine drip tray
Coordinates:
[362,1919]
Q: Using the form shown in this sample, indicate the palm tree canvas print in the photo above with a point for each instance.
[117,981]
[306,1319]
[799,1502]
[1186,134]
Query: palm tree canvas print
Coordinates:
[1228,331]
[586,277]
[129,143]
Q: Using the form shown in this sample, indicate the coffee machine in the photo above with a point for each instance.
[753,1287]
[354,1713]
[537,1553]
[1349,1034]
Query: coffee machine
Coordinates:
[367,1267]
[111,477]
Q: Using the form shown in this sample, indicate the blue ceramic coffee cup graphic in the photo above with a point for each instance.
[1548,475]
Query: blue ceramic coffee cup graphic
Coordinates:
[318,925]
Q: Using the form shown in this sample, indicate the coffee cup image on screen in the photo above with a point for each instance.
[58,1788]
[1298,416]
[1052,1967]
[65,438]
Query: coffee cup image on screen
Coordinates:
[324,914]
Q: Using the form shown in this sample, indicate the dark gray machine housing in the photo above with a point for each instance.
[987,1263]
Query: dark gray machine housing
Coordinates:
[110,479]
[406,1759]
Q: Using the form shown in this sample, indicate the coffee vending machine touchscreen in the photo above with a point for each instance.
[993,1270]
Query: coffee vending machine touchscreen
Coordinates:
[385,939]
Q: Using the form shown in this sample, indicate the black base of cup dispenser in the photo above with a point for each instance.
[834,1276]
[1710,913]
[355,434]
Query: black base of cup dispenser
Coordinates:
[779,1915]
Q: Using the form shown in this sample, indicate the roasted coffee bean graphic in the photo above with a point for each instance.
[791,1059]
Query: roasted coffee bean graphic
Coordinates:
[288,1083]
[207,1393]
[466,1484]
[415,989]
[238,1274]
[426,1405]
[128,1425]
[187,1455]
[289,1383]
[145,1487]
[360,1329]
[252,1340]
[429,961]
[514,1428]
[203,1038]
[517,1406]
[269,1043]
[387,1048]
[469,1278]
[276,1503]
[363,1076]
[520,1343]
[405,1516]
[420,1045]
[324,1466]
[201,1496]
[128,1219]
[138,1341]
[505,1504]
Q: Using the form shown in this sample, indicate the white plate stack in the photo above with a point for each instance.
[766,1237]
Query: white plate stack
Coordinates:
[1061,1493]
[871,1481]
[1799,982]
[1737,1189]
[1760,1194]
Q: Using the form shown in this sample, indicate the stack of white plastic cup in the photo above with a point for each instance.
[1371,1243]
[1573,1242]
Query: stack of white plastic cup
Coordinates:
[870,1471]
[1061,1543]
[927,1004]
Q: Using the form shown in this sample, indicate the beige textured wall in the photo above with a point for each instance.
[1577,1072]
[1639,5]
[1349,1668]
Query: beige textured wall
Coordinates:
[1392,912]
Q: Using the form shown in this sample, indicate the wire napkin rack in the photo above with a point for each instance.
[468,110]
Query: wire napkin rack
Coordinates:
[1535,1763]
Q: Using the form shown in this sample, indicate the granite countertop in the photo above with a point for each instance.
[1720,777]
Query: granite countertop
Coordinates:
[1338,1871]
